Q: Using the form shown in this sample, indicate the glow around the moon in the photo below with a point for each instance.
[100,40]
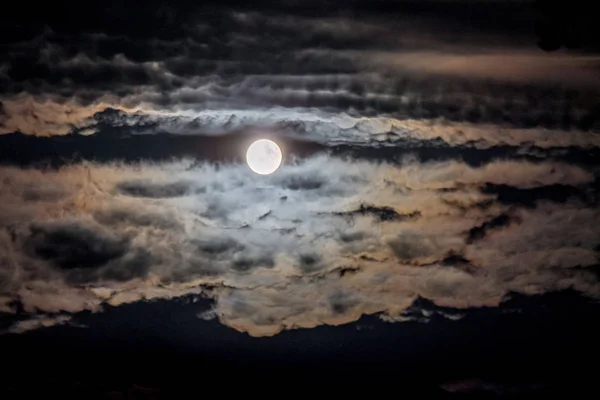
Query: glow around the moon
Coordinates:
[264,156]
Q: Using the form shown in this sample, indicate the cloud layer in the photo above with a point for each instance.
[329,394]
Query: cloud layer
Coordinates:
[323,241]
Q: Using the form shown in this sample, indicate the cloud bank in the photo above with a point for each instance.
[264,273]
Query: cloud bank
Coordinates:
[323,241]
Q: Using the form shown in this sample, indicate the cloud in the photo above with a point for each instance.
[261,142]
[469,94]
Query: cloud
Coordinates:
[69,245]
[149,189]
[422,249]
[327,254]
[439,67]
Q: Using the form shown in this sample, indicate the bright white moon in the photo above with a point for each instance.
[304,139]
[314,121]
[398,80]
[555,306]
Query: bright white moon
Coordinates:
[264,157]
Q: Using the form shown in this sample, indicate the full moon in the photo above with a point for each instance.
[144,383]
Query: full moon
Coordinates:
[264,156]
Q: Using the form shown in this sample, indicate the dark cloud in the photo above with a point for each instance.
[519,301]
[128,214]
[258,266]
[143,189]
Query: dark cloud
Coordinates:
[152,189]
[478,232]
[230,251]
[244,263]
[95,245]
[381,213]
[135,264]
[218,246]
[340,302]
[430,153]
[418,249]
[303,182]
[49,194]
[132,217]
[216,210]
[70,245]
[352,237]
[440,62]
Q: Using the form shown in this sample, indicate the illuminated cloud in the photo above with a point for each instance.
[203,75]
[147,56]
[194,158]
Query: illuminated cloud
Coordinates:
[323,241]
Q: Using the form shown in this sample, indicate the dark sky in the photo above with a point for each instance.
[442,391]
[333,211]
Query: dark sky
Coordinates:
[433,229]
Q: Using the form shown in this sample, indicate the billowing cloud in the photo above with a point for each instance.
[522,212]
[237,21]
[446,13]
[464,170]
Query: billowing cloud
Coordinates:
[323,241]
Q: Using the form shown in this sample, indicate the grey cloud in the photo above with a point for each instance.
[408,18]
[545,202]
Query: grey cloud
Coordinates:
[303,182]
[245,263]
[152,189]
[130,216]
[216,210]
[69,245]
[136,264]
[229,250]
[218,246]
[381,213]
[422,249]
[510,66]
[341,302]
[309,262]
[352,236]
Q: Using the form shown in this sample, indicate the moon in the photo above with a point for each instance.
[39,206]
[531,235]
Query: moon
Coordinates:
[264,156]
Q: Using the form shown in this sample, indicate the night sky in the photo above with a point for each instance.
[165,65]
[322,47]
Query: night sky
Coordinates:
[433,231]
